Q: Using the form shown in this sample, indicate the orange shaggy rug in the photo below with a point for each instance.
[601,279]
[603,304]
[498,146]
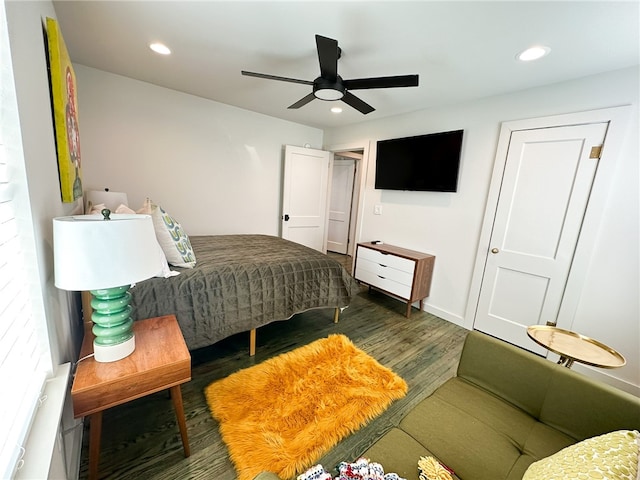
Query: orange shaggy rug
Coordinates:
[285,413]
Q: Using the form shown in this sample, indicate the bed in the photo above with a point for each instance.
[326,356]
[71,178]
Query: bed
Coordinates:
[242,282]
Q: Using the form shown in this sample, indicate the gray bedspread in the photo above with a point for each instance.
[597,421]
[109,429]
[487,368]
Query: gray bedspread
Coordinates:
[242,282]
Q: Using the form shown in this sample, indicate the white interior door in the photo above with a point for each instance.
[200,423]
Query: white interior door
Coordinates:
[340,204]
[545,190]
[305,196]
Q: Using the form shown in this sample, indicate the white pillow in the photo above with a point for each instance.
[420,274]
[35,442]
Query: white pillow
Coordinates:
[97,209]
[122,208]
[171,237]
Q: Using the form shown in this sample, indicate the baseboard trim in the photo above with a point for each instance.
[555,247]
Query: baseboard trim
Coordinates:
[445,315]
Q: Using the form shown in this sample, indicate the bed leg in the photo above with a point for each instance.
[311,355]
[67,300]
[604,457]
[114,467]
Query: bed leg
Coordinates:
[336,315]
[252,342]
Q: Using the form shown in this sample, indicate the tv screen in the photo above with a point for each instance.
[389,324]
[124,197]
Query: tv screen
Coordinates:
[427,163]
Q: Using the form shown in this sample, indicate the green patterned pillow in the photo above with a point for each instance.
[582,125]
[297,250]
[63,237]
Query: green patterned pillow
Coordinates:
[171,237]
[613,456]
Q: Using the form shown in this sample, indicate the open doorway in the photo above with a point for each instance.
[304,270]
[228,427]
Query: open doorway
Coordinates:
[344,199]
[341,197]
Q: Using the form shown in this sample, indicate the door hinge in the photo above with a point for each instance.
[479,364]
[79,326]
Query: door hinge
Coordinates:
[596,152]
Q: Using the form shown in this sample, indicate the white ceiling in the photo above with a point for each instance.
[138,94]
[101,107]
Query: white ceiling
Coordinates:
[461,50]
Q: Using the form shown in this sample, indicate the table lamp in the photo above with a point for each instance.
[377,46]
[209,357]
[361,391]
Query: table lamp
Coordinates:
[105,254]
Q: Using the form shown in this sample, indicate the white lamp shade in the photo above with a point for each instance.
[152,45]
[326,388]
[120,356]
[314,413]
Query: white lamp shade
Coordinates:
[111,200]
[92,253]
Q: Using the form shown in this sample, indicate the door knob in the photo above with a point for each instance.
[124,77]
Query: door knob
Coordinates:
[286,217]
[494,250]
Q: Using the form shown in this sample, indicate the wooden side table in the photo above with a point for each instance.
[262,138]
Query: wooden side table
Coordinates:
[160,361]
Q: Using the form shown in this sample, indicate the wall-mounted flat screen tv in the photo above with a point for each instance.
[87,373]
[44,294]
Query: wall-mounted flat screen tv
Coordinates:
[426,163]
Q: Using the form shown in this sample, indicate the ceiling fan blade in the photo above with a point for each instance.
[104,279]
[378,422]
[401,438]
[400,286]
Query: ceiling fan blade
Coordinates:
[355,102]
[328,54]
[382,82]
[274,77]
[303,101]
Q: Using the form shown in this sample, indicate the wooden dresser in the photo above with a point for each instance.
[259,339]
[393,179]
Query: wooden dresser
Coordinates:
[397,271]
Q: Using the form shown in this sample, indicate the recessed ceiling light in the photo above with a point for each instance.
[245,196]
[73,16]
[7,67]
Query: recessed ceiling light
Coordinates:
[336,109]
[533,53]
[160,48]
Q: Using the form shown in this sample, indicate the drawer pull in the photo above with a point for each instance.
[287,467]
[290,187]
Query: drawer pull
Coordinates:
[382,265]
[380,276]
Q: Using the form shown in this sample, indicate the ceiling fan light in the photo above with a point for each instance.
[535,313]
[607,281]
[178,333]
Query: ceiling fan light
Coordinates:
[329,90]
[328,94]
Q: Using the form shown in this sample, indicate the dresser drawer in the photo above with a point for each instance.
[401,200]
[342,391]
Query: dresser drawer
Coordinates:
[386,284]
[403,277]
[387,259]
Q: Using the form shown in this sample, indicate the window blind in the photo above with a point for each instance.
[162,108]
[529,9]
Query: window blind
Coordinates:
[21,372]
[23,349]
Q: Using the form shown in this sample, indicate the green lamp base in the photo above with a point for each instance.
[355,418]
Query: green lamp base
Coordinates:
[113,326]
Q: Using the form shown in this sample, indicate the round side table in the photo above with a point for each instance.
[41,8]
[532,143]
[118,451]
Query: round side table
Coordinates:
[573,347]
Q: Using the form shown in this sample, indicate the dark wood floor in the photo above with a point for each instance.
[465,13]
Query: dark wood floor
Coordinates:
[140,440]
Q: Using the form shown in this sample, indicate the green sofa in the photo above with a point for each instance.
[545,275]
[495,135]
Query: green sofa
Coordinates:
[505,409]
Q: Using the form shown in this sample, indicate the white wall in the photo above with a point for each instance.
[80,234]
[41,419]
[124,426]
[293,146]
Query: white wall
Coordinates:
[25,20]
[448,224]
[217,169]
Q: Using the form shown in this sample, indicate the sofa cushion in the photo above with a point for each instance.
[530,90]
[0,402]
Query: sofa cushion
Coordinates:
[479,435]
[398,452]
[543,441]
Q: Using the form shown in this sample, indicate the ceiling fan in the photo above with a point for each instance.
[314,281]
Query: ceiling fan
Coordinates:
[330,86]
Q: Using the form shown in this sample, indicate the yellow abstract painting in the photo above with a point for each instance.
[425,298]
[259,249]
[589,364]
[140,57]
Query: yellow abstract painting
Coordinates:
[62,79]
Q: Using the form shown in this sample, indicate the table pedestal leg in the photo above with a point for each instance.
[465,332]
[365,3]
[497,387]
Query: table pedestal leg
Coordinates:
[566,361]
[95,426]
[176,396]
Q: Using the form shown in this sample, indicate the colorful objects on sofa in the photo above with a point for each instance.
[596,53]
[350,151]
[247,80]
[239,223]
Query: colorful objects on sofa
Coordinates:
[431,469]
[361,469]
